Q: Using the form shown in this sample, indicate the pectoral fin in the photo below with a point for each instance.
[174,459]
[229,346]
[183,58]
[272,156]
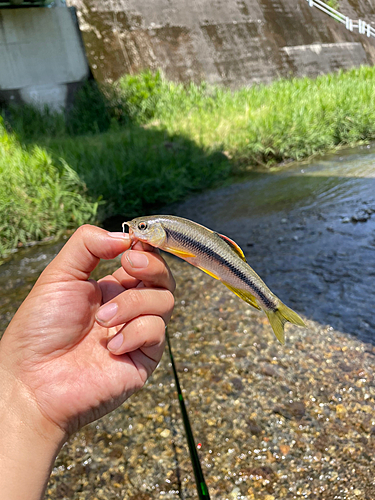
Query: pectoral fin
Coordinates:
[179,253]
[244,295]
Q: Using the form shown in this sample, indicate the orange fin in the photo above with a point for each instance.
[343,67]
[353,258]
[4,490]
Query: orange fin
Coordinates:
[209,273]
[233,246]
[244,295]
[180,253]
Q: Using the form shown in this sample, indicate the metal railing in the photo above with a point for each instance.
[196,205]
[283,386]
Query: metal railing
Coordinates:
[362,27]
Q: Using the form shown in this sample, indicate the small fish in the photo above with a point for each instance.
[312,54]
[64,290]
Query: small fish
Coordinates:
[216,255]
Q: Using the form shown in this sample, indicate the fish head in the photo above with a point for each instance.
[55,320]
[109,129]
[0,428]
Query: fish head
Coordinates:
[148,230]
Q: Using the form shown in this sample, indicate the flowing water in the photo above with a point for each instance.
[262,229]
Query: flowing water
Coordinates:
[309,231]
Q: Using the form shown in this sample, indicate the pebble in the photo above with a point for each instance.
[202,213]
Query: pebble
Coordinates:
[165,433]
[265,417]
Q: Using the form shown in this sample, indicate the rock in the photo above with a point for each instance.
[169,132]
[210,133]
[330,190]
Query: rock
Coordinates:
[296,410]
[269,370]
[263,472]
[237,384]
[165,433]
[254,428]
[234,494]
[361,216]
[284,449]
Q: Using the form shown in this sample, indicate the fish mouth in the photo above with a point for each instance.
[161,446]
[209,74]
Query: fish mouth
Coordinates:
[124,224]
[131,232]
[132,235]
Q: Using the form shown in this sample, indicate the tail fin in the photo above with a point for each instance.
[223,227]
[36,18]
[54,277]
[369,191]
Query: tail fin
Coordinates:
[279,317]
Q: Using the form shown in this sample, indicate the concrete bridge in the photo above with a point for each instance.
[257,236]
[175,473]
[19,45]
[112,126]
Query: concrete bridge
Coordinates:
[42,57]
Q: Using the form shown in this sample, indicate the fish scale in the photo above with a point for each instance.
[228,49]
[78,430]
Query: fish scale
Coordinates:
[216,259]
[218,256]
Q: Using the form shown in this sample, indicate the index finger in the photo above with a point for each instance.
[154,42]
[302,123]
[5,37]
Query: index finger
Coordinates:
[150,268]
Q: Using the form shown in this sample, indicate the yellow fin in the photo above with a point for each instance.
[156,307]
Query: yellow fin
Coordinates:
[236,248]
[279,317]
[180,253]
[209,273]
[244,295]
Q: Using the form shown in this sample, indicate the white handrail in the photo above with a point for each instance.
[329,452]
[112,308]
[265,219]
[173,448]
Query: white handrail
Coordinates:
[363,27]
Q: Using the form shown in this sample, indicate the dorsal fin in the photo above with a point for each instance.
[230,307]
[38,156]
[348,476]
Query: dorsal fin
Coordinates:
[233,246]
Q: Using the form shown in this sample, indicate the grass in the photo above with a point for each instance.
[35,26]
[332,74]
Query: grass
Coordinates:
[37,199]
[333,3]
[137,170]
[289,119]
[146,142]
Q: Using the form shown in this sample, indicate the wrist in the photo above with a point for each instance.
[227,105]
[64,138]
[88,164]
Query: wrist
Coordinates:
[29,442]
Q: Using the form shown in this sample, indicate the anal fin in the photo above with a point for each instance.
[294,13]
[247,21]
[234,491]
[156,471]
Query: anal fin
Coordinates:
[244,295]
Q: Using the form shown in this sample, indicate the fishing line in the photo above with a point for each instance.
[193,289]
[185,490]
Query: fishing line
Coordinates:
[199,478]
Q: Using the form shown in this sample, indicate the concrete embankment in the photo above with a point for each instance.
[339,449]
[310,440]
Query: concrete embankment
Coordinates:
[234,43]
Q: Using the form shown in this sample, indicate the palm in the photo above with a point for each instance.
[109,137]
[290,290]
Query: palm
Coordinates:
[75,374]
[58,347]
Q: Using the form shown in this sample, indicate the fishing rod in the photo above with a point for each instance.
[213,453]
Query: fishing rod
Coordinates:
[199,478]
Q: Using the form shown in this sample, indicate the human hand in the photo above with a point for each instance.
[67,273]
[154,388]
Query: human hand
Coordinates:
[57,357]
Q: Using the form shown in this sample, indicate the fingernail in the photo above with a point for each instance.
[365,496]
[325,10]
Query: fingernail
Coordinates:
[137,259]
[107,312]
[121,236]
[116,342]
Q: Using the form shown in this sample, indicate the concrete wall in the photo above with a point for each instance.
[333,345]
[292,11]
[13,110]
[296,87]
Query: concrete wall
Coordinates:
[42,58]
[231,42]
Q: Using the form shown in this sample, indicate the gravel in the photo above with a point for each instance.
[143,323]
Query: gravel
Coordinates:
[270,421]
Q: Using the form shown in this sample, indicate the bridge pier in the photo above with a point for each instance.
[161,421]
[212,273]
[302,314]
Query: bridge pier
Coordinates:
[42,57]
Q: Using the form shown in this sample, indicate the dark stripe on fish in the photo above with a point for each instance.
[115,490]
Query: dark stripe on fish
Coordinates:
[190,243]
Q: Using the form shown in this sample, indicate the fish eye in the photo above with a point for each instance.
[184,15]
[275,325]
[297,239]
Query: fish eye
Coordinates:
[142,226]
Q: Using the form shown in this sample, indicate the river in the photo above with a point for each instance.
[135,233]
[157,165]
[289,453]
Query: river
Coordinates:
[272,421]
[309,231]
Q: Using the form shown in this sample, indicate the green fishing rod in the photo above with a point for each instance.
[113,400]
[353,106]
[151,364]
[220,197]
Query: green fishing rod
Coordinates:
[199,478]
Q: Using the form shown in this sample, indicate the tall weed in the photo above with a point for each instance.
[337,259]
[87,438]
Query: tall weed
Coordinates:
[146,142]
[37,199]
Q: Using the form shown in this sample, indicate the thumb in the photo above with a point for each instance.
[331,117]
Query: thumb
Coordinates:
[81,254]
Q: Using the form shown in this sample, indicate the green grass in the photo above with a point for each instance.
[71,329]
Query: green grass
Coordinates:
[289,119]
[137,170]
[37,199]
[333,3]
[146,142]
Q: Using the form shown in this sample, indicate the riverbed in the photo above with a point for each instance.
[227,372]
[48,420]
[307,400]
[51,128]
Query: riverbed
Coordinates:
[270,421]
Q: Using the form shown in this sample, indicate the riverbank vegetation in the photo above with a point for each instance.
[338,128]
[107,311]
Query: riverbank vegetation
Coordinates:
[132,147]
